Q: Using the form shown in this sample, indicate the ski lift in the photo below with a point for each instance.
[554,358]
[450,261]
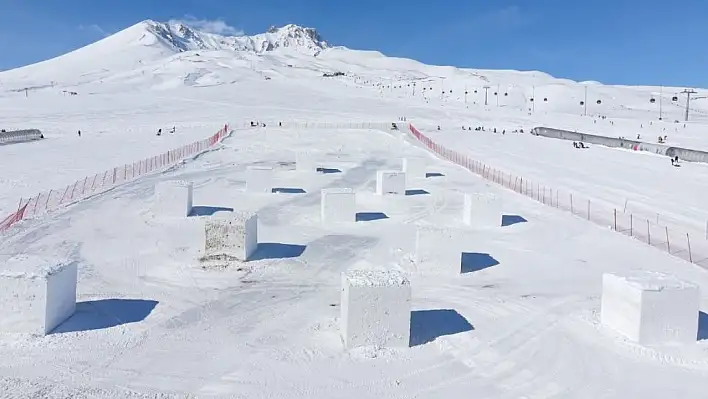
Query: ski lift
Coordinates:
[495,93]
[506,94]
[599,102]
[674,98]
[582,103]
[450,90]
[652,100]
[466,92]
[545,99]
[475,92]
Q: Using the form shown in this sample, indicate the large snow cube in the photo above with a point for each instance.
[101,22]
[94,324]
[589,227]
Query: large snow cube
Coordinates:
[259,179]
[338,205]
[431,257]
[234,237]
[173,198]
[482,210]
[650,307]
[37,295]
[390,182]
[415,168]
[305,162]
[376,308]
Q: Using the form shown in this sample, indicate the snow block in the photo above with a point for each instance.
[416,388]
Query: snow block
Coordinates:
[650,308]
[305,162]
[259,179]
[431,257]
[234,236]
[414,168]
[37,295]
[482,210]
[338,205]
[376,308]
[173,198]
[390,182]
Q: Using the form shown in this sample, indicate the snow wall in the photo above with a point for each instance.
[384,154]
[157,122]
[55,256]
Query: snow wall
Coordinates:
[19,136]
[684,154]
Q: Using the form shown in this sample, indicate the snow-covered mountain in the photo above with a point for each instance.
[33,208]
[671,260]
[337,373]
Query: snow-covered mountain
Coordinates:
[150,42]
[152,55]
[181,37]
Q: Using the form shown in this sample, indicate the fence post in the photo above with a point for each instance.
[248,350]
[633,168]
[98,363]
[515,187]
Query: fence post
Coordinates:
[615,219]
[64,195]
[631,225]
[571,203]
[588,209]
[538,192]
[83,190]
[73,189]
[648,233]
[34,210]
[46,204]
[93,184]
[688,240]
[668,245]
[557,205]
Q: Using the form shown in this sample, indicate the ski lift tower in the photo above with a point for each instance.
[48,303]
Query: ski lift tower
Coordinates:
[688,99]
[486,91]
[688,93]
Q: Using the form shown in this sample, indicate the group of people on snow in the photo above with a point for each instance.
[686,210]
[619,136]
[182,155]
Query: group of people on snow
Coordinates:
[494,130]
[159,131]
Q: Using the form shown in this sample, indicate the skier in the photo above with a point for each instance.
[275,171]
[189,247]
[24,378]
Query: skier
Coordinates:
[79,133]
[159,132]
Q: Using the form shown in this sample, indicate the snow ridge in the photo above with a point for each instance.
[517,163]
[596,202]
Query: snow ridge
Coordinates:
[181,37]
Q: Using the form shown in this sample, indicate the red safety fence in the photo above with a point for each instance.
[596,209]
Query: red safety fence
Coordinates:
[693,248]
[101,182]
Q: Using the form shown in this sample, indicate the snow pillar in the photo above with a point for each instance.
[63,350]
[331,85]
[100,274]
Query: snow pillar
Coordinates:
[305,162]
[173,198]
[390,182]
[259,179]
[376,308]
[414,168]
[338,205]
[234,237]
[650,308]
[482,210]
[37,295]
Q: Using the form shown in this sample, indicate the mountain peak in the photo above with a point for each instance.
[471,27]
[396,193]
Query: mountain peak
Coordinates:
[180,36]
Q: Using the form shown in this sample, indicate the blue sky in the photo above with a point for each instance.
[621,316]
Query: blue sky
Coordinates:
[620,41]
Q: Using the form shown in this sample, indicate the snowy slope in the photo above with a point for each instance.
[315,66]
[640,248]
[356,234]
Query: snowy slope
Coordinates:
[151,321]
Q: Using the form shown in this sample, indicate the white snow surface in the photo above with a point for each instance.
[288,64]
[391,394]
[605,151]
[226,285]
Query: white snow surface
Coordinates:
[30,266]
[522,322]
[376,278]
[654,281]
